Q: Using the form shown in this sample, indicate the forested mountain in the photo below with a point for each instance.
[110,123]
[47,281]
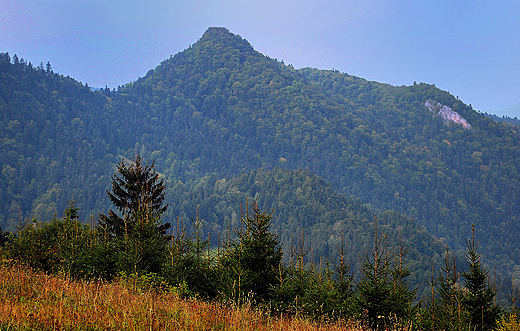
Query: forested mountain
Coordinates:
[219,113]
[53,146]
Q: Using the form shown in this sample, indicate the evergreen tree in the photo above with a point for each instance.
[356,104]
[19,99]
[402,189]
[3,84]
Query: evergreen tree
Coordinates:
[62,245]
[139,234]
[480,296]
[446,307]
[71,213]
[137,190]
[189,265]
[375,288]
[252,261]
[4,237]
[344,280]
[402,295]
[383,294]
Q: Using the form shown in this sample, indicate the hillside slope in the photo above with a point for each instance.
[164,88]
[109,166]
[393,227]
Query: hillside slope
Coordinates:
[55,142]
[303,204]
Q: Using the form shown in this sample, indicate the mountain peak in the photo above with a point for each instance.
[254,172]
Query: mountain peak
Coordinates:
[213,31]
[221,35]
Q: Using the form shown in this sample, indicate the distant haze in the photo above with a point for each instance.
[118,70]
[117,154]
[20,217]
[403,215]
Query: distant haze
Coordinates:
[467,48]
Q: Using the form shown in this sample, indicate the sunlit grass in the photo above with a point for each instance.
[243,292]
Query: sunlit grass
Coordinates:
[35,301]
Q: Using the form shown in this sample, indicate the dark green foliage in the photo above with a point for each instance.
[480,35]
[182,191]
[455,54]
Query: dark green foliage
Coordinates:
[403,298]
[463,300]
[479,300]
[303,201]
[312,291]
[507,119]
[61,246]
[106,259]
[344,279]
[137,193]
[190,265]
[252,261]
[319,290]
[141,249]
[55,144]
[139,234]
[4,237]
[447,308]
[383,296]
[250,269]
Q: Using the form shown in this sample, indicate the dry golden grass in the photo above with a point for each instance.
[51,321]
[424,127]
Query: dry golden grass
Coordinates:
[35,301]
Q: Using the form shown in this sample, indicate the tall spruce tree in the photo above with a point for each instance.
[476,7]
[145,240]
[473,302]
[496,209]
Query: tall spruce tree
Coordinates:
[446,308]
[138,232]
[138,189]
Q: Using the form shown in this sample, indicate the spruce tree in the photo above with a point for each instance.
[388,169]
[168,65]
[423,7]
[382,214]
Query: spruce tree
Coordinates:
[190,263]
[4,237]
[138,232]
[374,289]
[252,261]
[447,308]
[138,189]
[383,293]
[480,296]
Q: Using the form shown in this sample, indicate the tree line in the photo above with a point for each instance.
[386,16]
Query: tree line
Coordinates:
[134,244]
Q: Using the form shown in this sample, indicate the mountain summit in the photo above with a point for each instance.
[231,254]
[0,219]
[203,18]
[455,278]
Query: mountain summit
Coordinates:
[219,35]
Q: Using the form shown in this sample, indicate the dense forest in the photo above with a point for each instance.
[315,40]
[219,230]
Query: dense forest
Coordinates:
[132,246]
[223,122]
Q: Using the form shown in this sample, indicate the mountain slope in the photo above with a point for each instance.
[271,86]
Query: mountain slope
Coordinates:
[371,140]
[449,175]
[219,107]
[52,142]
[304,204]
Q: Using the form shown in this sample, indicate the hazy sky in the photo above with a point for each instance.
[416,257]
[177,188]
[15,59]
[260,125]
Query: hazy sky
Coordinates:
[469,48]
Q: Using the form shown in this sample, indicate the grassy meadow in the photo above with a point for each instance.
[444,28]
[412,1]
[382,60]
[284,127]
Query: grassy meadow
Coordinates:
[32,300]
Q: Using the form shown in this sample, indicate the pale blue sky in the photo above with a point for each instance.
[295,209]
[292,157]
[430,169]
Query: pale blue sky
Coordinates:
[469,48]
